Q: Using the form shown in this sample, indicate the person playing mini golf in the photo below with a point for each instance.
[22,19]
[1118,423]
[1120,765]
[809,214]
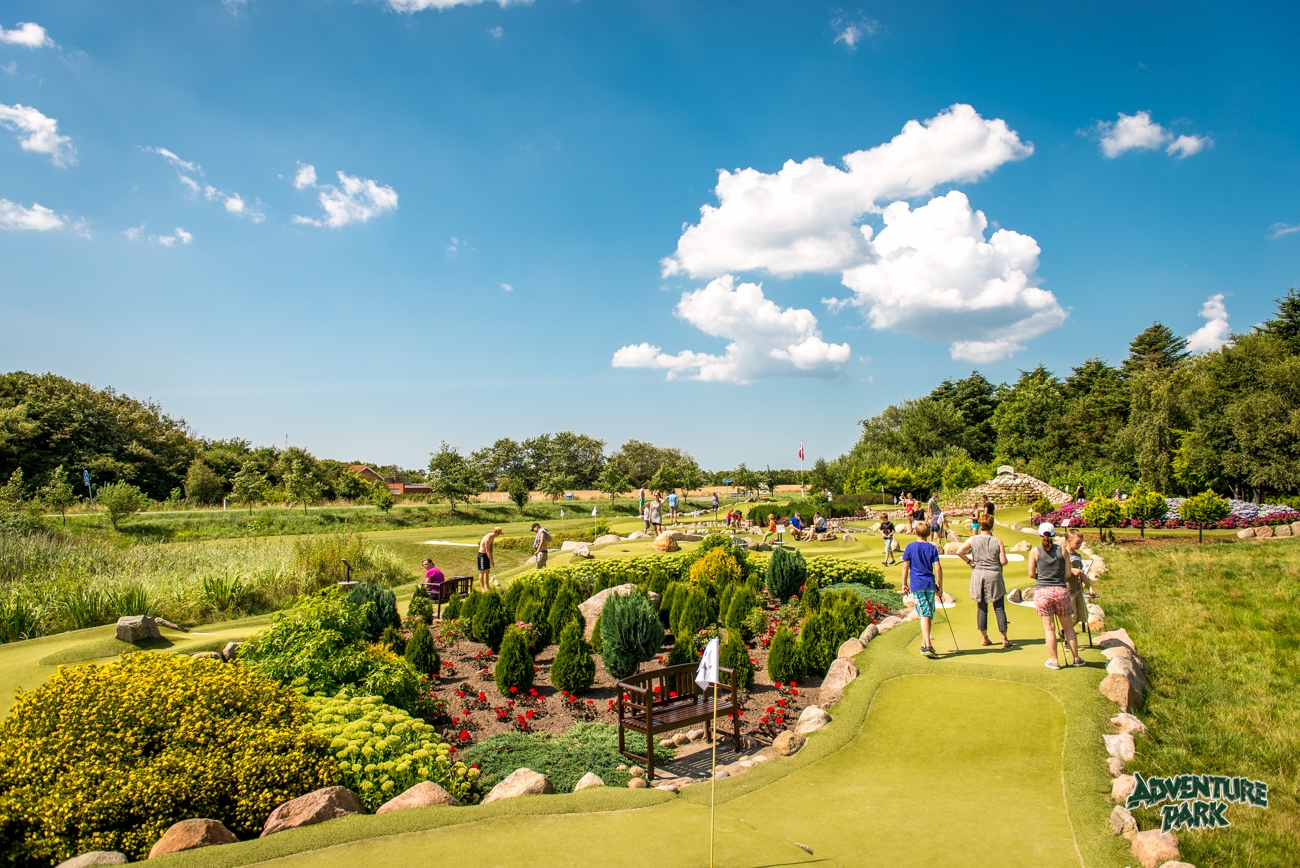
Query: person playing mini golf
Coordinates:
[485,558]
[923,576]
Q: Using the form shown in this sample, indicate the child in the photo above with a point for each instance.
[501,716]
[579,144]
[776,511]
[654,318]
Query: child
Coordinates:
[771,527]
[891,544]
[923,576]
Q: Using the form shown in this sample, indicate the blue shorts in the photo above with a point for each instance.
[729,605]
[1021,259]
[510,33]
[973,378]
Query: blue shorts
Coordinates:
[924,603]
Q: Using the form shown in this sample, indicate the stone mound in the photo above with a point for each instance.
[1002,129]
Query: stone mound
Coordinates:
[1010,489]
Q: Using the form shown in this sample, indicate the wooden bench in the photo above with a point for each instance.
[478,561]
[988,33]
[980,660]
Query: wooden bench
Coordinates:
[661,700]
[456,586]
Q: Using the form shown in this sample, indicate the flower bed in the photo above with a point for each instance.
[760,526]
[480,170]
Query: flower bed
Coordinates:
[1244,514]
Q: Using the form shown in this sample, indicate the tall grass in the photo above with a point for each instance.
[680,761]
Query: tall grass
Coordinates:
[51,581]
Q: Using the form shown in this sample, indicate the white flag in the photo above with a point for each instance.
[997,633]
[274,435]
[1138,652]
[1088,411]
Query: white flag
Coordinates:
[593,512]
[708,672]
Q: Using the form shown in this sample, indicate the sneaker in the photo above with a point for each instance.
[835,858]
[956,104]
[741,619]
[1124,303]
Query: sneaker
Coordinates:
[1052,664]
[1079,663]
[926,651]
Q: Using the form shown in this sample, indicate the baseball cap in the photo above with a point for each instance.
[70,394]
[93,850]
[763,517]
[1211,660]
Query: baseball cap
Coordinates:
[1046,527]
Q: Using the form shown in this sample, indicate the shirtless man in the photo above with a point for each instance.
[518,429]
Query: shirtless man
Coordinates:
[485,558]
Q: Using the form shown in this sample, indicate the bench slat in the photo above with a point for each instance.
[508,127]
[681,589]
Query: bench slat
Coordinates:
[676,716]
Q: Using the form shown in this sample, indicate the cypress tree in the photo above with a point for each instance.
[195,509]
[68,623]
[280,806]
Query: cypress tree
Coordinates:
[683,651]
[490,620]
[630,633]
[783,663]
[734,654]
[573,669]
[422,653]
[515,665]
[786,572]
[564,610]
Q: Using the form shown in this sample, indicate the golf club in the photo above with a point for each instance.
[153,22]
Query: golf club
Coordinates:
[946,618]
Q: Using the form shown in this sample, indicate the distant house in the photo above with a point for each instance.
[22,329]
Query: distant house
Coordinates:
[366,473]
[392,483]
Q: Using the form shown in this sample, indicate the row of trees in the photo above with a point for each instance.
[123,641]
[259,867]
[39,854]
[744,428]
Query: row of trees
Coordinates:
[1227,420]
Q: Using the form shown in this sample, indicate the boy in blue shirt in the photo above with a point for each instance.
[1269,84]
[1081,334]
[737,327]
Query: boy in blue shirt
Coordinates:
[923,576]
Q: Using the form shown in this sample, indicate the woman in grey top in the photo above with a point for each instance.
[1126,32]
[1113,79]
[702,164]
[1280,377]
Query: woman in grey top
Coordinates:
[987,556]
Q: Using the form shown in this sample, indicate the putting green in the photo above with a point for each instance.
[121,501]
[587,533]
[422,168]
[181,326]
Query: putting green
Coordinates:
[1024,626]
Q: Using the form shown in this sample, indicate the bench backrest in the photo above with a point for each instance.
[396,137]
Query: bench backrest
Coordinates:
[670,684]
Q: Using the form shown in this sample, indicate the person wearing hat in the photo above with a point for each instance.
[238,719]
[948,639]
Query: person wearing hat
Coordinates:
[1049,567]
[541,542]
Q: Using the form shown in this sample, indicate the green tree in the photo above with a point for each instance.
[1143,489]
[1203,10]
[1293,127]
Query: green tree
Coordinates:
[1145,505]
[514,668]
[744,478]
[490,620]
[519,493]
[422,653]
[381,497]
[1285,326]
[554,485]
[1205,508]
[202,485]
[613,481]
[1103,512]
[120,499]
[249,485]
[783,663]
[573,669]
[11,493]
[1156,348]
[1029,421]
[452,478]
[630,633]
[57,494]
[786,572]
[300,485]
[735,655]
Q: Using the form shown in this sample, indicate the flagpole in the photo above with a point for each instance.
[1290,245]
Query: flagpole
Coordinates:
[713,772]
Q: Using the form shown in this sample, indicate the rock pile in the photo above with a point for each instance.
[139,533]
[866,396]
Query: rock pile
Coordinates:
[1010,489]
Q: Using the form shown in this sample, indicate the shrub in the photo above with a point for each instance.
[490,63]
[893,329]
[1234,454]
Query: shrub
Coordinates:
[531,612]
[82,767]
[564,610]
[1041,505]
[783,663]
[735,655]
[1205,508]
[452,610]
[848,615]
[719,566]
[742,603]
[630,633]
[786,573]
[597,637]
[563,758]
[514,665]
[694,615]
[320,645]
[421,605]
[887,597]
[670,602]
[1145,505]
[319,559]
[422,653]
[490,620]
[683,651]
[573,669]
[534,636]
[829,570]
[1103,512]
[755,623]
[394,641]
[812,595]
[817,640]
[383,608]
[119,500]
[382,751]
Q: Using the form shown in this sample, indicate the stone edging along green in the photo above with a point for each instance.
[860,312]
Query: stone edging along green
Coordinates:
[1086,782]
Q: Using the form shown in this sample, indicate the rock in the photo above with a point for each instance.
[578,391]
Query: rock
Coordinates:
[1295,528]
[848,538]
[667,742]
[850,649]
[665,543]
[1120,746]
[841,673]
[425,794]
[1264,532]
[1122,787]
[209,655]
[621,767]
[811,719]
[687,537]
[951,548]
[1126,667]
[1115,766]
[95,857]
[607,539]
[231,651]
[1116,637]
[137,628]
[637,784]
[868,634]
[667,788]
[1153,848]
[590,779]
[803,847]
[947,598]
[1014,596]
[826,698]
[590,608]
[190,835]
[1177,864]
[1096,613]
[762,547]
[952,537]
[1122,823]
[317,806]
[889,623]
[1246,533]
[1027,594]
[720,774]
[1282,530]
[581,551]
[171,625]
[1022,546]
[1127,653]
[571,544]
[638,534]
[695,734]
[636,771]
[912,616]
[520,782]
[1119,690]
[1124,722]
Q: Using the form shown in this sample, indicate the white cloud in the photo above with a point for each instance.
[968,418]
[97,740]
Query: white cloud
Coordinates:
[135,233]
[305,176]
[804,217]
[764,339]
[458,246]
[505,287]
[1277,230]
[849,32]
[497,32]
[177,163]
[354,200]
[185,170]
[27,34]
[10,68]
[1216,332]
[37,218]
[168,240]
[38,133]
[1137,132]
[422,5]
[935,275]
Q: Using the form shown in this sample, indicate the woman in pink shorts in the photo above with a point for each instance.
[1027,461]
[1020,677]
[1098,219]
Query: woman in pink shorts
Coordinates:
[1048,564]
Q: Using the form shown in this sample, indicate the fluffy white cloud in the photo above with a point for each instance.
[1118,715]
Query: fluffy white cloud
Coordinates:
[764,339]
[505,287]
[38,133]
[37,218]
[1216,332]
[422,5]
[803,217]
[305,176]
[28,34]
[354,200]
[1138,132]
[933,274]
[168,240]
[497,32]
[185,170]
[849,32]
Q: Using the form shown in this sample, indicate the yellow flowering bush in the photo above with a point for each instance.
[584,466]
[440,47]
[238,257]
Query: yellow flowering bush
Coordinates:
[382,750]
[107,757]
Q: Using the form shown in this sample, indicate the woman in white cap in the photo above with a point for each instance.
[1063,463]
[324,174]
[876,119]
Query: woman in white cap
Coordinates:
[1048,566]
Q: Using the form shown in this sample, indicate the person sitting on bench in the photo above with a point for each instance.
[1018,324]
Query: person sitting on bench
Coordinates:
[433,579]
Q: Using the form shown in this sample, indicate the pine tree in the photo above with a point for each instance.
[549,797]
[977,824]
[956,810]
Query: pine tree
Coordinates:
[515,665]
[573,670]
[394,641]
[694,615]
[683,651]
[422,653]
[1156,347]
[1285,327]
[786,572]
[734,654]
[630,633]
[563,610]
[783,664]
[490,620]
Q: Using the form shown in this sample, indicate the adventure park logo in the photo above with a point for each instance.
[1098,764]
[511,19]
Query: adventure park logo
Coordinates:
[1199,801]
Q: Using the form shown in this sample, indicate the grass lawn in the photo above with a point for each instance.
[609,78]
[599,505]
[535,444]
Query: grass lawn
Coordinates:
[1220,625]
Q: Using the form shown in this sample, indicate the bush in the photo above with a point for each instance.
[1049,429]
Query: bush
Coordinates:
[382,751]
[421,605]
[573,669]
[719,567]
[783,664]
[394,641]
[563,758]
[848,617]
[597,637]
[514,665]
[1041,505]
[887,597]
[84,768]
[1103,512]
[490,620]
[1205,508]
[120,499]
[829,570]
[742,603]
[694,615]
[817,644]
[735,655]
[786,573]
[320,645]
[383,608]
[564,610]
[683,651]
[452,610]
[1145,505]
[468,606]
[630,633]
[422,653]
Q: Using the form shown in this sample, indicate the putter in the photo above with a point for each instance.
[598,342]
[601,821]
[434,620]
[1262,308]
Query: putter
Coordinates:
[948,619]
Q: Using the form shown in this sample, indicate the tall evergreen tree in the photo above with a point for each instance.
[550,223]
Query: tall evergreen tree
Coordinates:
[1155,348]
[1285,327]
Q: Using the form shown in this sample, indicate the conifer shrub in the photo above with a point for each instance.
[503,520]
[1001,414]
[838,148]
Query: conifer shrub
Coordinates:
[513,597]
[564,610]
[630,633]
[597,638]
[848,615]
[719,567]
[812,595]
[817,644]
[393,640]
[573,669]
[786,572]
[683,651]
[734,654]
[724,601]
[422,653]
[383,608]
[514,664]
[670,602]
[742,603]
[421,605]
[468,606]
[490,620]
[452,610]
[694,616]
[783,663]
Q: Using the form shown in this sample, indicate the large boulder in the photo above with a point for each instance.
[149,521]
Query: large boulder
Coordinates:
[841,673]
[231,650]
[587,781]
[425,794]
[1246,533]
[1014,596]
[1121,822]
[951,548]
[687,537]
[811,719]
[592,606]
[582,551]
[137,628]
[520,782]
[868,634]
[608,538]
[665,543]
[190,835]
[1022,546]
[1121,691]
[1282,530]
[1111,638]
[95,857]
[787,743]
[1124,722]
[889,623]
[317,806]
[850,649]
[1263,532]
[1154,848]
[1120,746]
[1130,670]
[1127,653]
[1295,528]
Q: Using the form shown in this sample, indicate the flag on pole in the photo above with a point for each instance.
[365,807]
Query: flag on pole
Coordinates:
[801,450]
[593,512]
[707,673]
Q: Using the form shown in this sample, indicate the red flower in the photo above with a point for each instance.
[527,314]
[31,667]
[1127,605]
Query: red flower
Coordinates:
[771,710]
[482,697]
[464,735]
[672,694]
[794,684]
[455,720]
[781,702]
[450,749]
[514,690]
[763,720]
[794,691]
[656,688]
[529,714]
[593,702]
[521,719]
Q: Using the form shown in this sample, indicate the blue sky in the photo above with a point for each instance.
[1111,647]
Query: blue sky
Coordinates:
[516,244]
